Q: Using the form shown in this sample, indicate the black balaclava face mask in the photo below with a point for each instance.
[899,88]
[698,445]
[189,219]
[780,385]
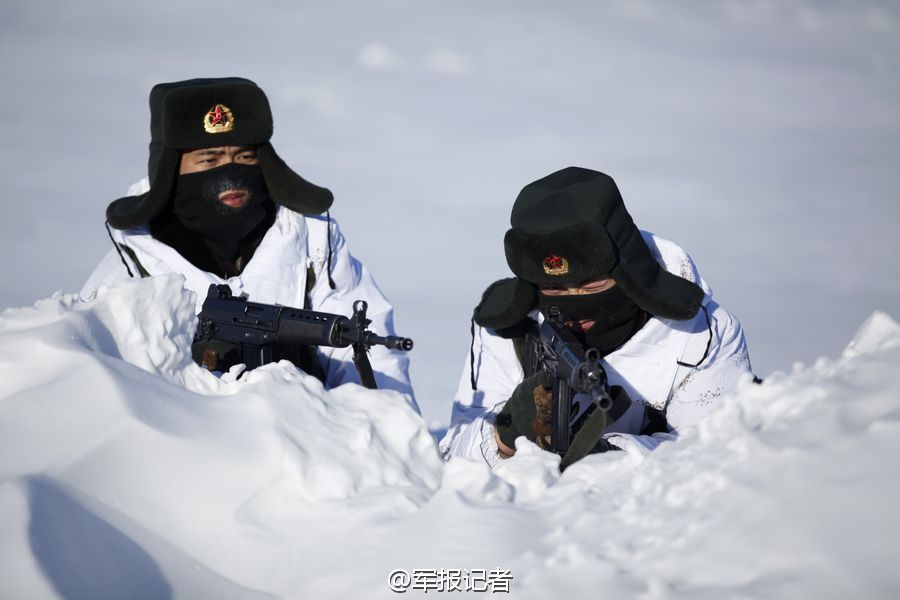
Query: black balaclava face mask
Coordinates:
[223,228]
[617,317]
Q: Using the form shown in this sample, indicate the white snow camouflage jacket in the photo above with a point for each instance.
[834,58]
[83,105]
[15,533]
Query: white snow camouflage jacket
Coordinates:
[647,367]
[276,274]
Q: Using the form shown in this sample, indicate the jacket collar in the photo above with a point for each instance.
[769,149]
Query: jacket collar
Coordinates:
[275,275]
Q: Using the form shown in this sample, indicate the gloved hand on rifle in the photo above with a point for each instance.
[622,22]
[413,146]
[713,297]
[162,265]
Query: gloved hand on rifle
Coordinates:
[527,412]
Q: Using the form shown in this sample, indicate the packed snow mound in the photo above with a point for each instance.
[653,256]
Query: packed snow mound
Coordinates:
[129,472]
[110,432]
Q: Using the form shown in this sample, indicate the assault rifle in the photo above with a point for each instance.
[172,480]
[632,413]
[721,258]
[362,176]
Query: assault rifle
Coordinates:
[575,371]
[258,329]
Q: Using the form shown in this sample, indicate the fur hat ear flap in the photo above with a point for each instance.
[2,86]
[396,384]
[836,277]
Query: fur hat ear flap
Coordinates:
[641,277]
[133,211]
[669,296]
[287,187]
[505,303]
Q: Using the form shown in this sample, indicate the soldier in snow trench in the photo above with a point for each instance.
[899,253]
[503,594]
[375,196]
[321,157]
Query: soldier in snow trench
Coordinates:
[221,207]
[668,349]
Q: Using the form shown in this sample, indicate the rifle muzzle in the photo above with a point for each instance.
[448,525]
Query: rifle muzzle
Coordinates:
[601,398]
[393,342]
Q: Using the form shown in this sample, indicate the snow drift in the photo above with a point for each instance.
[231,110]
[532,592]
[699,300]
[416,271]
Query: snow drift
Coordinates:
[129,472]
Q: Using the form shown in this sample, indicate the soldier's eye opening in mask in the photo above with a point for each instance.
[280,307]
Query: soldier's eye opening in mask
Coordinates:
[591,286]
[204,159]
[603,320]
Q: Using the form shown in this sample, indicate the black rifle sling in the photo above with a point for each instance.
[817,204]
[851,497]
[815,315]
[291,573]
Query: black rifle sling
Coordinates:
[134,259]
[526,346]
[363,366]
[306,358]
[310,282]
[589,439]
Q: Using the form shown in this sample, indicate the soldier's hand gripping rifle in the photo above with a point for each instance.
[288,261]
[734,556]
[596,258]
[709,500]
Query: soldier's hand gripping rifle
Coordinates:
[258,329]
[575,371]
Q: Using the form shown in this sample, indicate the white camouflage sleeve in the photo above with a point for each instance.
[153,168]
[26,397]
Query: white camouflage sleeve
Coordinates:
[497,372]
[700,389]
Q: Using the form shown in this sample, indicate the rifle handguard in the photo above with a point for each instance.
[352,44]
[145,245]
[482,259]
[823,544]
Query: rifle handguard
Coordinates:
[575,371]
[258,328]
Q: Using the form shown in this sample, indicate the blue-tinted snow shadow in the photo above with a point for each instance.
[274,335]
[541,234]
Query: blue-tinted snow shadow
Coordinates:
[83,556]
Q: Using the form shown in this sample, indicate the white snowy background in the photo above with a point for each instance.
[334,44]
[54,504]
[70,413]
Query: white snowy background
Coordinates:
[763,136]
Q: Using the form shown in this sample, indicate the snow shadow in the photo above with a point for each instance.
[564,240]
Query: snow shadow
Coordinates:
[83,556]
[97,336]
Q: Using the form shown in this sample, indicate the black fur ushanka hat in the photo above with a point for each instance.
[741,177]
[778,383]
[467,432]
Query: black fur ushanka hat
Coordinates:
[204,113]
[572,226]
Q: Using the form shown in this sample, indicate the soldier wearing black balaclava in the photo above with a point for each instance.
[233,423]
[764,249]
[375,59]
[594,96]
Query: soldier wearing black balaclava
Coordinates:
[183,209]
[220,207]
[669,349]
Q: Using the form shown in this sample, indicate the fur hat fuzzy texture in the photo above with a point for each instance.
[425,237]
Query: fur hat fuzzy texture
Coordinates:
[504,304]
[181,114]
[572,226]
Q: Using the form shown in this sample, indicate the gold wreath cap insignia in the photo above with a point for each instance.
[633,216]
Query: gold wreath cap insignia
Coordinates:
[556,265]
[219,119]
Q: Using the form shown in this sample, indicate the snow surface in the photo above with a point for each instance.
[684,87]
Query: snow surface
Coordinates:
[126,471]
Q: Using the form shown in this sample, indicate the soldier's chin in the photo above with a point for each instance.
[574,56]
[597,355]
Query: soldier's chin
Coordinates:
[235,198]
